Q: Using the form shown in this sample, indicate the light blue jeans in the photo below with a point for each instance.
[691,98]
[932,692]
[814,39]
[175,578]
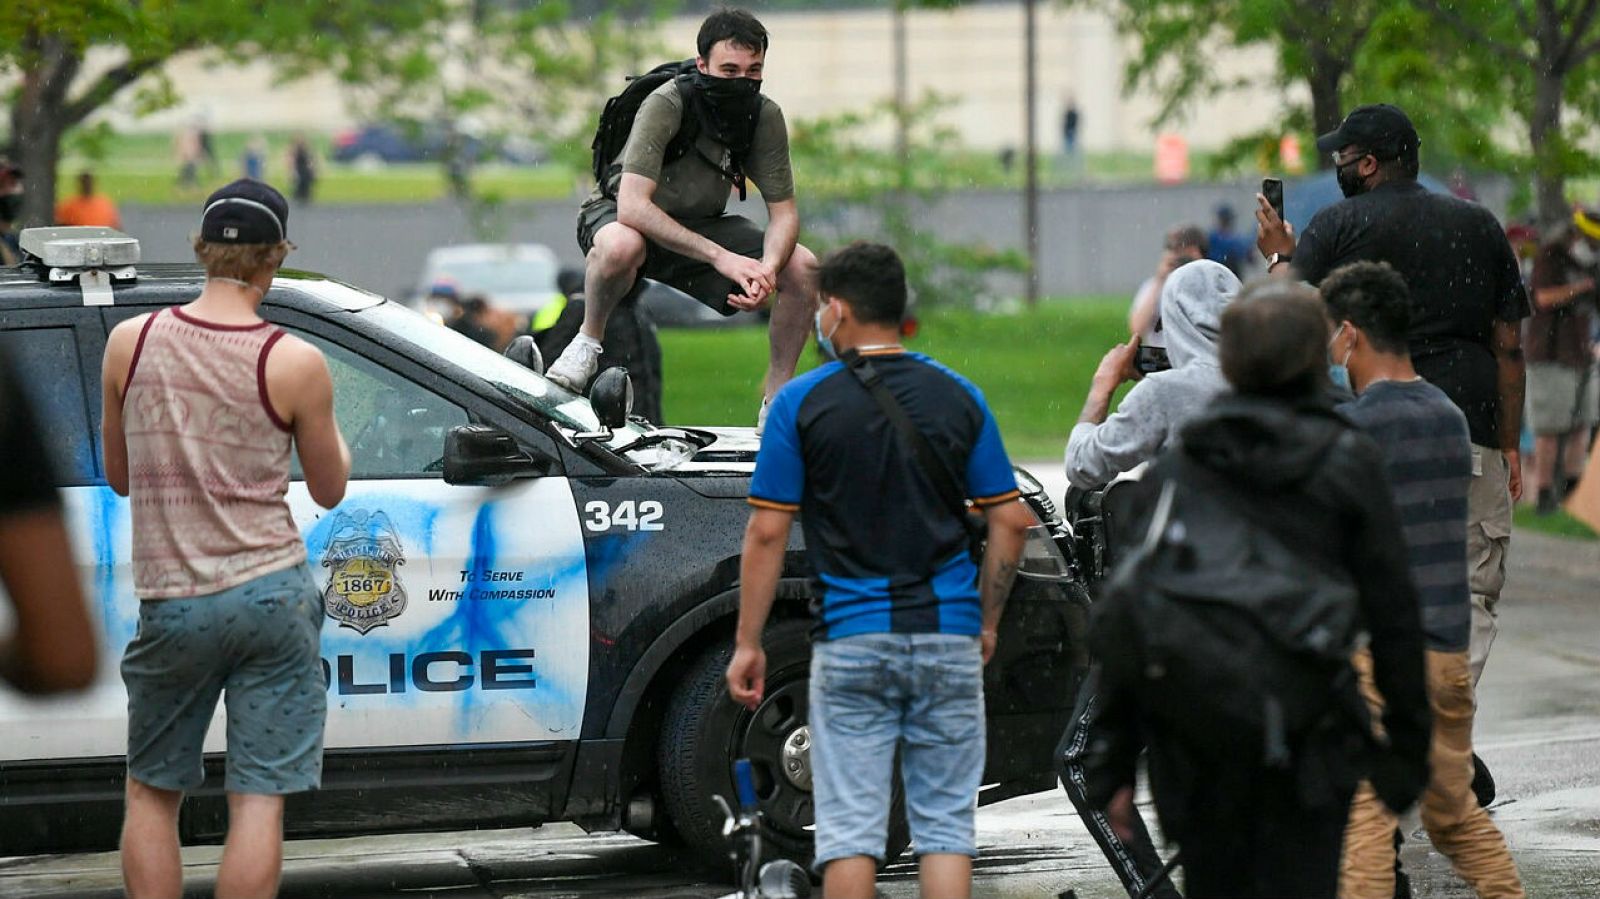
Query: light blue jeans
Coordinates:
[872,694]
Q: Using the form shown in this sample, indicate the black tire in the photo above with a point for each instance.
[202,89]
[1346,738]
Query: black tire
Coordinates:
[705,732]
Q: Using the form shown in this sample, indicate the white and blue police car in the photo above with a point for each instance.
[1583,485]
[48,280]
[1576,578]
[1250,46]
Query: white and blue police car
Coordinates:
[530,603]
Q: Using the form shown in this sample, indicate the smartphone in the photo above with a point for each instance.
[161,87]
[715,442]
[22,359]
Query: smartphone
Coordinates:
[1272,189]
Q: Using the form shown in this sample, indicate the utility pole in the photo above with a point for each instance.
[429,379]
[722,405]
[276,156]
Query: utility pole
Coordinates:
[902,103]
[1030,222]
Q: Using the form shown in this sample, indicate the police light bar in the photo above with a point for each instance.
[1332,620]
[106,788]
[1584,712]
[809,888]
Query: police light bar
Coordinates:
[93,257]
[80,247]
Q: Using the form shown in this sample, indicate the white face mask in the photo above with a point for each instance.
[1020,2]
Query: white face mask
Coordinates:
[1584,254]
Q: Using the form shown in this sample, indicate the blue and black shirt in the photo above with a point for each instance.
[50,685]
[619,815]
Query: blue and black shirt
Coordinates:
[888,554]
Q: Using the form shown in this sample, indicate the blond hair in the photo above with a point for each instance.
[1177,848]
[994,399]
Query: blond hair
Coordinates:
[243,261]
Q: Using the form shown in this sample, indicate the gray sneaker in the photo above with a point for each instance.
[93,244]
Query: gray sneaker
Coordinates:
[576,365]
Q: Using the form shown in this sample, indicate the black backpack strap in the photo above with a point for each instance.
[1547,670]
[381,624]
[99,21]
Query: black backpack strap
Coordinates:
[688,137]
[932,465]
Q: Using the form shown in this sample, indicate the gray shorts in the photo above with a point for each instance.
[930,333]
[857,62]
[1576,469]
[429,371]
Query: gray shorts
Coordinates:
[700,280]
[257,644]
[1554,403]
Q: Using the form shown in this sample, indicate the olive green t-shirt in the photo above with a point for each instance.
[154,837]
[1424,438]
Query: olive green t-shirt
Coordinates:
[690,187]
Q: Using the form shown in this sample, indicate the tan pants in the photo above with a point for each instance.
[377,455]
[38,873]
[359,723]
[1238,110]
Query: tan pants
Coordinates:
[1458,827]
[1488,538]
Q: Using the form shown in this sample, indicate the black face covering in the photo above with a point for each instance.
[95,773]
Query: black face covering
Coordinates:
[10,207]
[727,109]
[1350,180]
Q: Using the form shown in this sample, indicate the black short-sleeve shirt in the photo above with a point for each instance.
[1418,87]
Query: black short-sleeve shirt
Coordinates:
[1460,269]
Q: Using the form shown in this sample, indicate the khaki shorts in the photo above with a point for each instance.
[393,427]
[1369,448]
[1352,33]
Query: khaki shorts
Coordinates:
[700,280]
[1554,406]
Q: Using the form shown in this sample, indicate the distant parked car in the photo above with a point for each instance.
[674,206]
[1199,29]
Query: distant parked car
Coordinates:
[381,144]
[517,277]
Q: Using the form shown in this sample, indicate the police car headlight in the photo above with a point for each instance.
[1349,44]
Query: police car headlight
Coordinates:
[1042,558]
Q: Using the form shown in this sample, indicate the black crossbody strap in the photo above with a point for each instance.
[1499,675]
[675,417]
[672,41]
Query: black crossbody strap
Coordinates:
[932,466]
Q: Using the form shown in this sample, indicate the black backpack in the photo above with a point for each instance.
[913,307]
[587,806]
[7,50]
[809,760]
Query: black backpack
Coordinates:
[1228,636]
[616,123]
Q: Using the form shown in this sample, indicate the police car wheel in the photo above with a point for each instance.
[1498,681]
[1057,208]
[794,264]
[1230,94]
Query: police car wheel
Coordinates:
[704,732]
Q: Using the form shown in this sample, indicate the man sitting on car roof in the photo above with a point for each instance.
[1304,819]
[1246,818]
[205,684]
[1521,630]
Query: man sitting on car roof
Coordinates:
[659,210]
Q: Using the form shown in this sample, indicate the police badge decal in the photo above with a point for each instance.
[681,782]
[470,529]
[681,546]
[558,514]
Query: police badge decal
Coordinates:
[363,589]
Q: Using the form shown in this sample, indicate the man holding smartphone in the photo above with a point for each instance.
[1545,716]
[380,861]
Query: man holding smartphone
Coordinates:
[1467,306]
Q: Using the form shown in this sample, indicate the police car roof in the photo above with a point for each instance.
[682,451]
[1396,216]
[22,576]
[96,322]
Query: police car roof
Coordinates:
[21,286]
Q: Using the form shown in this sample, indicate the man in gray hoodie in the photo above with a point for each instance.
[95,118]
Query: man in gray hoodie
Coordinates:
[1148,420]
[1103,446]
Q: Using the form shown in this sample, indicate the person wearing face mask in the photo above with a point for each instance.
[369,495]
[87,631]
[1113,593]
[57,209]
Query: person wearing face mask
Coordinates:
[906,610]
[660,209]
[1562,391]
[1467,305]
[1428,459]
[1103,444]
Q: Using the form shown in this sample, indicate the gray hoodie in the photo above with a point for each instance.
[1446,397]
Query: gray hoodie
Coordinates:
[1148,419]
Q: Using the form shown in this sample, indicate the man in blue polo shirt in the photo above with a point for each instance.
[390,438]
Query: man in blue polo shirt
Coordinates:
[905,619]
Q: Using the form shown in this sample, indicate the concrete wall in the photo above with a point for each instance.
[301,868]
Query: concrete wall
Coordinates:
[1093,240]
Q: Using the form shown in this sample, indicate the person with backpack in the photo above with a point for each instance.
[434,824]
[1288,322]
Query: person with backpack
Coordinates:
[1428,455]
[1259,549]
[877,453]
[668,151]
[1104,445]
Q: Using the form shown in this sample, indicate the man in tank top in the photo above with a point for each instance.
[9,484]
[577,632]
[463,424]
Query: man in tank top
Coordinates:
[202,404]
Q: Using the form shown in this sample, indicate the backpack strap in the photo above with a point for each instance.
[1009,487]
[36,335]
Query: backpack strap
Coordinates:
[688,138]
[934,467]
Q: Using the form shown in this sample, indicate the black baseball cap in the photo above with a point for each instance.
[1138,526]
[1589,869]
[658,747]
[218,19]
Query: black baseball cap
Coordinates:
[246,211]
[1380,128]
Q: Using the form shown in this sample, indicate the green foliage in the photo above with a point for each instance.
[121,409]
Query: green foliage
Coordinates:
[1480,65]
[847,173]
[508,71]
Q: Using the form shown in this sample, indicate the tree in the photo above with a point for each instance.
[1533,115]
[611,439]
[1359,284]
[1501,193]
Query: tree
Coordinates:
[1546,56]
[46,43]
[848,175]
[1316,42]
[506,72]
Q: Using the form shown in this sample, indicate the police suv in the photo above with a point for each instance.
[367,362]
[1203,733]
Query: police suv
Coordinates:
[530,598]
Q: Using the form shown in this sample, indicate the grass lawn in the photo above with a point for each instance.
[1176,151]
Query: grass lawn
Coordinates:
[142,169]
[1559,524]
[1034,367]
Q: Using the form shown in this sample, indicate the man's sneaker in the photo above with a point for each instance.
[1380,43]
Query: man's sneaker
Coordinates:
[576,365]
[761,417]
[1482,782]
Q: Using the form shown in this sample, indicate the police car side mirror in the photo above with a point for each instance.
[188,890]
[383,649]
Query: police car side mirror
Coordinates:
[524,351]
[612,397]
[482,456]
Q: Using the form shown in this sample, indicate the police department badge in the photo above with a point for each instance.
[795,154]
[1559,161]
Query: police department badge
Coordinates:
[363,590]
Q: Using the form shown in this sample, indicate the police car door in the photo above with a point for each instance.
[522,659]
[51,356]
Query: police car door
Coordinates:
[456,615]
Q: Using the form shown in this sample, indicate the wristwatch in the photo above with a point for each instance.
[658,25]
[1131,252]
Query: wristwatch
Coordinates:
[1275,258]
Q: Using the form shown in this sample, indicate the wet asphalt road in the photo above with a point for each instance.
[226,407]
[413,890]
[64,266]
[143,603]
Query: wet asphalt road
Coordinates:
[1538,728]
